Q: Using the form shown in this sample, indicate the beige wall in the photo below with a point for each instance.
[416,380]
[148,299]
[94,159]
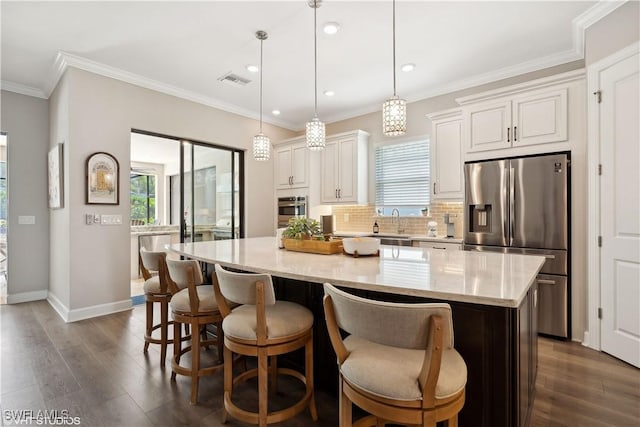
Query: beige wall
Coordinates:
[25,119]
[615,31]
[101,114]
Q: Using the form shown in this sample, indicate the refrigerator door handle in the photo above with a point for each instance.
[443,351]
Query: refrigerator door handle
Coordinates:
[546,282]
[512,204]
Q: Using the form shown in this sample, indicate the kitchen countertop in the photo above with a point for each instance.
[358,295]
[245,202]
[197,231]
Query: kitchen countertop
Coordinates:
[485,278]
[419,237]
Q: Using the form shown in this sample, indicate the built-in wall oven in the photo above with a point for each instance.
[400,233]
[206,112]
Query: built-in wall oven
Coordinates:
[291,207]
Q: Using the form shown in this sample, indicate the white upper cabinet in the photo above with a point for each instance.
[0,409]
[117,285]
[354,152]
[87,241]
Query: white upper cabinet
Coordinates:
[528,118]
[292,165]
[447,181]
[344,169]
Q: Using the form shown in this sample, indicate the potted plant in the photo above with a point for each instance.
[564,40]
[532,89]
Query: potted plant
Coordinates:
[301,228]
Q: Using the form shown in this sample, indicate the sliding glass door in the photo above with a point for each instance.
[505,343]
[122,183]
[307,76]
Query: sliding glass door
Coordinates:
[210,185]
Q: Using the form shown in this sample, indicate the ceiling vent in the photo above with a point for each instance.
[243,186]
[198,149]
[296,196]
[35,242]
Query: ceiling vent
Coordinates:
[234,79]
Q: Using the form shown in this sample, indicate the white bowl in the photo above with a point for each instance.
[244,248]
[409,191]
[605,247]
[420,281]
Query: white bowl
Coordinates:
[363,245]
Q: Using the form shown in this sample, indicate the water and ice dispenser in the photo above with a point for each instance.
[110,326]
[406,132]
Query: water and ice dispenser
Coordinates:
[479,218]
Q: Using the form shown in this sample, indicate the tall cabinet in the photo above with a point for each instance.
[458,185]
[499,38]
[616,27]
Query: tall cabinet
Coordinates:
[292,165]
[344,169]
[447,180]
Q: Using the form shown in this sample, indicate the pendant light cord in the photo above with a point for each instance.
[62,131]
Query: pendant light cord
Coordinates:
[315,57]
[261,41]
[394,47]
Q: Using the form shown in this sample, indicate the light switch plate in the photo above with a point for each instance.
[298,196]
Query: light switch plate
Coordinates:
[111,219]
[26,219]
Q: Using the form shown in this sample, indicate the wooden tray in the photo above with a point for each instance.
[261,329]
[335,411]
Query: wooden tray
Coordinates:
[313,246]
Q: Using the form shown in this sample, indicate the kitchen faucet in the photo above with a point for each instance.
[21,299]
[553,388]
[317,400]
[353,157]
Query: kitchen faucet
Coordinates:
[395,218]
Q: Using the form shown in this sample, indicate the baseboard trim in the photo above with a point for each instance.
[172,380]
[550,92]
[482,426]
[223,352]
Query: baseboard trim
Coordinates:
[87,312]
[26,297]
[58,306]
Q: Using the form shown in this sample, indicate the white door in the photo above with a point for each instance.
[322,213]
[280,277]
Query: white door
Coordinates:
[620,209]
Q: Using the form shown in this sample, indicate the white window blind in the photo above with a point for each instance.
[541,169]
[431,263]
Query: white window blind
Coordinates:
[402,174]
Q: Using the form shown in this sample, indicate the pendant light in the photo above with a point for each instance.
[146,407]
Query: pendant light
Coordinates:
[315,128]
[394,109]
[261,142]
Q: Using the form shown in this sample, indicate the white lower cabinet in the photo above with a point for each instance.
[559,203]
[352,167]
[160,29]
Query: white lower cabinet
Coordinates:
[438,245]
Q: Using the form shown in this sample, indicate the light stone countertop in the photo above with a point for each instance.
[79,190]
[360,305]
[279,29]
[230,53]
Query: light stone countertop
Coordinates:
[476,277]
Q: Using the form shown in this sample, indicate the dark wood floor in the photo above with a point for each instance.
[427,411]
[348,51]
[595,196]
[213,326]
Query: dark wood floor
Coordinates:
[96,370]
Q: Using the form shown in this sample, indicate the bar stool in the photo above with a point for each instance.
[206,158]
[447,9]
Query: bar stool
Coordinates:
[398,363]
[156,290]
[194,305]
[264,328]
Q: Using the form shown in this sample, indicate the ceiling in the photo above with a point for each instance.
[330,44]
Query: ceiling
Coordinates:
[182,48]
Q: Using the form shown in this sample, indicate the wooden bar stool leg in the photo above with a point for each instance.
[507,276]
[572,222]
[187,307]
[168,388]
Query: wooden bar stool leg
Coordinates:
[228,380]
[195,362]
[308,372]
[273,373]
[149,328]
[263,388]
[164,321]
[177,346]
[220,342]
[453,421]
[345,408]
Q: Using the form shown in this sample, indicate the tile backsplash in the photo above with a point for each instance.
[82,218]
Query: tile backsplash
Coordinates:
[361,218]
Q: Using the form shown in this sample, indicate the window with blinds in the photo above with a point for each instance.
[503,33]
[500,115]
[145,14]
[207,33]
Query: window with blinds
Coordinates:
[403,175]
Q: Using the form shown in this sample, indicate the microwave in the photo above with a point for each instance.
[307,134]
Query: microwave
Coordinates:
[291,207]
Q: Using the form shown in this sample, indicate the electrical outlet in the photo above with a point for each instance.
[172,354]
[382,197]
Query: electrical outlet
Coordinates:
[88,219]
[111,220]
[345,217]
[26,219]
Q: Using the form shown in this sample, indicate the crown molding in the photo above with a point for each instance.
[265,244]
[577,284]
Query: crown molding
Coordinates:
[65,60]
[589,17]
[478,80]
[23,89]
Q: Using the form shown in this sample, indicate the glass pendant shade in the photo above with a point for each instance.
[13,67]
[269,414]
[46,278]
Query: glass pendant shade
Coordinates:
[394,116]
[315,134]
[261,147]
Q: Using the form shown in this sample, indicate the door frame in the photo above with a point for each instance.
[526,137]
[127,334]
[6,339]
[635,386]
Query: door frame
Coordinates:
[592,336]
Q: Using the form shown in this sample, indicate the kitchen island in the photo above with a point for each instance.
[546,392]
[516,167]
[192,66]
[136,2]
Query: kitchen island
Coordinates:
[493,298]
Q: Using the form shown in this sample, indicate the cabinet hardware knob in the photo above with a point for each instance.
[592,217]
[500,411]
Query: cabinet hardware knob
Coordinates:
[434,188]
[515,133]
[508,134]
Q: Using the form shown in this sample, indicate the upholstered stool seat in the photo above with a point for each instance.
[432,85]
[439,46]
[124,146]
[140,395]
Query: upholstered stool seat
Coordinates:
[152,286]
[397,363]
[374,368]
[194,305]
[264,328]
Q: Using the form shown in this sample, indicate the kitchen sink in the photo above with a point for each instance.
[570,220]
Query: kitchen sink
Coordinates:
[395,241]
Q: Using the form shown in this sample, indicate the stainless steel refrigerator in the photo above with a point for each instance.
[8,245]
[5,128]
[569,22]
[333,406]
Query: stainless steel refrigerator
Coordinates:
[521,205]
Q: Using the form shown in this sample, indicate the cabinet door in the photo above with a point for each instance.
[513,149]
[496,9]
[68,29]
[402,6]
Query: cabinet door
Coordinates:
[329,183]
[489,126]
[347,170]
[540,118]
[447,175]
[283,167]
[299,165]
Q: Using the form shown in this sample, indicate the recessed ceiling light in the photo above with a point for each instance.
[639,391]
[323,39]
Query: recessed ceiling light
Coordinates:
[252,68]
[329,92]
[408,67]
[276,112]
[331,28]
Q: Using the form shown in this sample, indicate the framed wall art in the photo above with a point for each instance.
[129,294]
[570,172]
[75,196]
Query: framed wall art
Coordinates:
[103,187]
[55,177]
